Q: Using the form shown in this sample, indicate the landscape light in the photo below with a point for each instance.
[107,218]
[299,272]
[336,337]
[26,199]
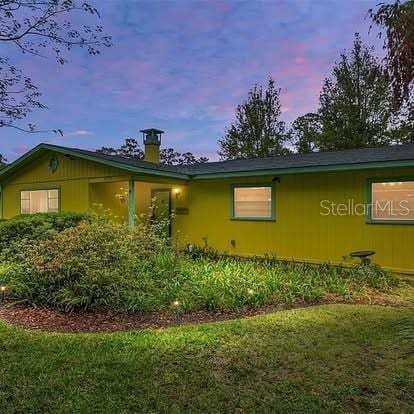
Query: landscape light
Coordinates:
[250,292]
[176,305]
[3,292]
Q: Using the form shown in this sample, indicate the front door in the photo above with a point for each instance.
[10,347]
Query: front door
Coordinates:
[161,209]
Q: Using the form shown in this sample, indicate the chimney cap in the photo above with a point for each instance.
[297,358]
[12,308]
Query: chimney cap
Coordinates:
[152,136]
[151,131]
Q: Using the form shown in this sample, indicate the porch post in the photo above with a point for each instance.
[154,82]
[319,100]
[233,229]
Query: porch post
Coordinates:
[131,204]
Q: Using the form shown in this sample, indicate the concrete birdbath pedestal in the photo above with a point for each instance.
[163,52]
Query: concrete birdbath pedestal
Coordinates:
[364,255]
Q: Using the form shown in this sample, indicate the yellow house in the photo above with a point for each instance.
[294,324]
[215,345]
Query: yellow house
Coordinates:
[315,207]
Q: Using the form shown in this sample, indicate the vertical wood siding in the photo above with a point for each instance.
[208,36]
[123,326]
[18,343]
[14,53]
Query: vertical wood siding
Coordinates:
[71,177]
[300,232]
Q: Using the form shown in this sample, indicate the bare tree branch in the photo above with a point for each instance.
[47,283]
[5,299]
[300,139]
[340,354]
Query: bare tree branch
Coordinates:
[34,26]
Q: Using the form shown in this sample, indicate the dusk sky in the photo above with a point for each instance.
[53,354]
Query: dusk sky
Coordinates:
[183,66]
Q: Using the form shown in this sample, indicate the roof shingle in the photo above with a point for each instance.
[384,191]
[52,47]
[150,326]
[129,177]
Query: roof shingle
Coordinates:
[315,159]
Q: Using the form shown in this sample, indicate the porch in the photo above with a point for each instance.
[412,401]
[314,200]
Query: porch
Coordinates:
[127,199]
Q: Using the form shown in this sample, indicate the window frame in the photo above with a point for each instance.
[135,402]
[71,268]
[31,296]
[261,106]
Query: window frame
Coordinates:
[370,181]
[42,189]
[253,185]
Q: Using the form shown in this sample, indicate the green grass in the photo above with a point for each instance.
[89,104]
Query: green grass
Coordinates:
[327,359]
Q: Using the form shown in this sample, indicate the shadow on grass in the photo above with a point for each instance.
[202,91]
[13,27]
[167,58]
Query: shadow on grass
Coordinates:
[334,358]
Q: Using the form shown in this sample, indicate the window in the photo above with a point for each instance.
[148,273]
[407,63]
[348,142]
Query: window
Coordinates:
[392,201]
[39,201]
[253,203]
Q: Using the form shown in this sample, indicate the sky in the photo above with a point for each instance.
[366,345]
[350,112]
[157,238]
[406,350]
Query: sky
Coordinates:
[183,66]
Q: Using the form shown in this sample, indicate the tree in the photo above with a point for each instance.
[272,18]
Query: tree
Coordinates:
[397,20]
[188,158]
[355,107]
[18,95]
[3,162]
[168,156]
[38,28]
[306,131]
[257,130]
[130,149]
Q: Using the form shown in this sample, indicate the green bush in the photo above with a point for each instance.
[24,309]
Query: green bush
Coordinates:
[229,283]
[77,262]
[21,232]
[101,265]
[96,265]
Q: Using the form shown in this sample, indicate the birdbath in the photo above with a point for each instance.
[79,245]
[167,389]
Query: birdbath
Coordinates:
[364,255]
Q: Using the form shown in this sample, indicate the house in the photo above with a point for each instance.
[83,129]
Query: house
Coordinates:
[315,207]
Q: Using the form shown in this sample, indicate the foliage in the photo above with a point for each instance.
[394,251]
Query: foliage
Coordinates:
[168,156]
[18,95]
[355,103]
[101,265]
[355,108]
[39,28]
[305,132]
[95,265]
[21,232]
[3,161]
[230,283]
[257,130]
[406,329]
[397,19]
[130,149]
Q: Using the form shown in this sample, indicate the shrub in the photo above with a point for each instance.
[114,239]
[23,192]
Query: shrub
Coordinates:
[372,276]
[23,231]
[101,265]
[228,283]
[96,265]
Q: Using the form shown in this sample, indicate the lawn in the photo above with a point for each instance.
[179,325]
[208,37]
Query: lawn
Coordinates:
[331,358]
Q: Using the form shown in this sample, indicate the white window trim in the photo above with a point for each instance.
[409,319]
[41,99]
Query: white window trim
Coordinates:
[373,220]
[272,217]
[40,189]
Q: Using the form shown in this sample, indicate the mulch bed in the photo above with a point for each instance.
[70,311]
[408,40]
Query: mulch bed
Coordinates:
[53,321]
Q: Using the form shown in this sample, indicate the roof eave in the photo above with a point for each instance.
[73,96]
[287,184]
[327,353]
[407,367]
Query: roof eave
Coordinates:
[42,148]
[303,170]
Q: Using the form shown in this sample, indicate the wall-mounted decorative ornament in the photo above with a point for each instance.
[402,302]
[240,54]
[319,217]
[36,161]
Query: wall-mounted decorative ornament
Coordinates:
[53,164]
[122,196]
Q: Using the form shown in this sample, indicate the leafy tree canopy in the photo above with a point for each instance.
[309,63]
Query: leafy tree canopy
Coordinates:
[397,19]
[168,156]
[257,130]
[355,108]
[355,102]
[305,132]
[3,162]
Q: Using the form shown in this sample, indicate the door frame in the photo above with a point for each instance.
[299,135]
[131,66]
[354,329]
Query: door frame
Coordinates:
[164,189]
